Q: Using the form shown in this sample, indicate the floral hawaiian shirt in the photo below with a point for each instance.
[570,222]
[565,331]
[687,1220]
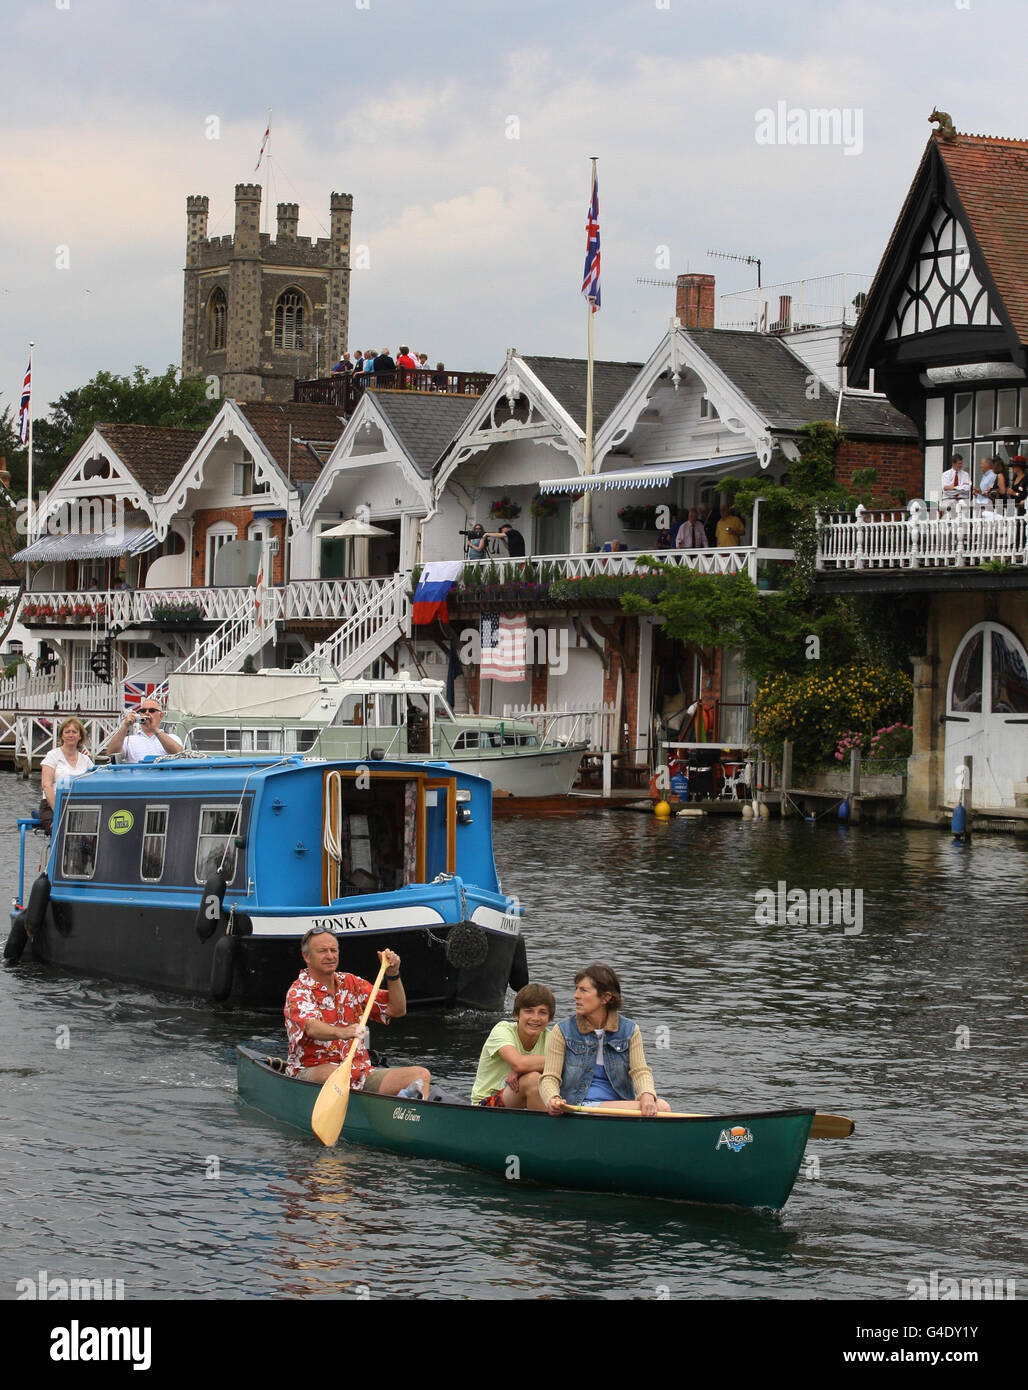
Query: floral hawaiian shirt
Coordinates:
[307,999]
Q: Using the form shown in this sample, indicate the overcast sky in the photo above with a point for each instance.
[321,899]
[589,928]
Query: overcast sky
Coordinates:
[463,129]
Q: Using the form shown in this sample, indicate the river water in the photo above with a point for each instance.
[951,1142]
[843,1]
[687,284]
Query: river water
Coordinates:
[128,1155]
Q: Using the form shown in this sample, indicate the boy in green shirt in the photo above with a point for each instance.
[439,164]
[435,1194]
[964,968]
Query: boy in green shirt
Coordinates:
[514,1053]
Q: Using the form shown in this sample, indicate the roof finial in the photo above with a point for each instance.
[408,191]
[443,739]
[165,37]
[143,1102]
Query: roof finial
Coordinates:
[946,129]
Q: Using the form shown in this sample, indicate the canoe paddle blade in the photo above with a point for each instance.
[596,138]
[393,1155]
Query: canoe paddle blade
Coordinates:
[330,1107]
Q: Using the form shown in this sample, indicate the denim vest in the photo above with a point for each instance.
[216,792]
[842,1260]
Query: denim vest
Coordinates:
[580,1060]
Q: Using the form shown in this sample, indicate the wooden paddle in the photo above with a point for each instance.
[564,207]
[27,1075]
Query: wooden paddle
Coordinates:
[333,1098]
[824,1126]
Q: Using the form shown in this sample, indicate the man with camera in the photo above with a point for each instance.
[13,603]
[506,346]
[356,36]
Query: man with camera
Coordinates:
[140,735]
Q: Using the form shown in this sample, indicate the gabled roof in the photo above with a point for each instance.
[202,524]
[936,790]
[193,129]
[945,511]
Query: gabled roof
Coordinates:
[311,426]
[423,422]
[984,180]
[776,382]
[564,378]
[153,454]
[991,178]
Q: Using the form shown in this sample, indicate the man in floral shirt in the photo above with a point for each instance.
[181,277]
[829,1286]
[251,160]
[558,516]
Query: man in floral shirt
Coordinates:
[323,1011]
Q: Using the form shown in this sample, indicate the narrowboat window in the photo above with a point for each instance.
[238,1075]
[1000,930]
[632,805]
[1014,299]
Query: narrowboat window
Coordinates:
[233,740]
[155,837]
[81,829]
[216,841]
[530,741]
[303,739]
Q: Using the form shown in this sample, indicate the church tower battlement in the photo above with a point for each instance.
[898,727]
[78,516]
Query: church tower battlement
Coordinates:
[257,312]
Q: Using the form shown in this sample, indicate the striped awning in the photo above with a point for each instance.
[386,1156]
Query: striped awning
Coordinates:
[105,545]
[645,477]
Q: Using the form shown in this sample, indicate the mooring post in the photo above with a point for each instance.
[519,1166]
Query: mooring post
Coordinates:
[608,763]
[968,792]
[854,796]
[786,776]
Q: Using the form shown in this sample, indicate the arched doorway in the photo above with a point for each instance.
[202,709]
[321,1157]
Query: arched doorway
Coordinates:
[987,713]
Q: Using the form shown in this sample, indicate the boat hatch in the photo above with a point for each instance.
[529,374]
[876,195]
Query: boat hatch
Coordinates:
[382,830]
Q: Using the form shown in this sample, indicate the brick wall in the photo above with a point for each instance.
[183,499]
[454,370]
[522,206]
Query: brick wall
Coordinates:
[240,517]
[900,466]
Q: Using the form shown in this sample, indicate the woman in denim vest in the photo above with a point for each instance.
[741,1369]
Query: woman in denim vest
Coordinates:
[596,1058]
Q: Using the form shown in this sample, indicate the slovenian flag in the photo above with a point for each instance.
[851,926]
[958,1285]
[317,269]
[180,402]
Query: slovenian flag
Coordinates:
[437,579]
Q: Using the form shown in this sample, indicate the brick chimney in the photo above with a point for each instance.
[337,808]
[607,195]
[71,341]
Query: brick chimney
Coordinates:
[694,301]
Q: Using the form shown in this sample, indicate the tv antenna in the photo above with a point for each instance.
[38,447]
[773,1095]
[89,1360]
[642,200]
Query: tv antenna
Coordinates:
[663,284]
[732,256]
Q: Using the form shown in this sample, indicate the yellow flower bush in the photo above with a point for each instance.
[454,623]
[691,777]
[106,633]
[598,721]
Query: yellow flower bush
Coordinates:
[816,709]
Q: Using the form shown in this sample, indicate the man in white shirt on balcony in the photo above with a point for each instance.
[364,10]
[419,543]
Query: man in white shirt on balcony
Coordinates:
[956,481]
[148,740]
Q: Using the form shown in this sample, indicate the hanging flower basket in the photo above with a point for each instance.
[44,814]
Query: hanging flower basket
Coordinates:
[504,509]
[544,504]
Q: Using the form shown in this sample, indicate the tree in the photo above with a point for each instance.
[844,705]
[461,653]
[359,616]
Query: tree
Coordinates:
[141,399]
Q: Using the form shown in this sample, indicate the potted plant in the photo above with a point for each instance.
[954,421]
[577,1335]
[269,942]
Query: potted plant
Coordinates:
[504,509]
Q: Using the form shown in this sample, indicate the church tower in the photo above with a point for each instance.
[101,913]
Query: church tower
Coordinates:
[258,313]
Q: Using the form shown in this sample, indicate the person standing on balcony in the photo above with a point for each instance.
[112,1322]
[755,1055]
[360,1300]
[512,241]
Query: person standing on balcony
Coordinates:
[514,539]
[730,529]
[956,481]
[691,535]
[384,363]
[405,359]
[148,740]
[1019,482]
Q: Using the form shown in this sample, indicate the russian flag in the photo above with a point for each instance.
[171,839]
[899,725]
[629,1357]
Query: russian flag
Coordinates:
[436,581]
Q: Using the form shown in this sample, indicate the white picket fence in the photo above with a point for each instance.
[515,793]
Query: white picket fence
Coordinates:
[571,724]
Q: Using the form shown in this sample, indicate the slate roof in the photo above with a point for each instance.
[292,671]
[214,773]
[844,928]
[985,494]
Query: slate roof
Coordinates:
[152,454]
[774,380]
[311,425]
[425,422]
[564,378]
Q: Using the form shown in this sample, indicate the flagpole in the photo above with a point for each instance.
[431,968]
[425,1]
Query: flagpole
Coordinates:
[267,172]
[588,498]
[28,512]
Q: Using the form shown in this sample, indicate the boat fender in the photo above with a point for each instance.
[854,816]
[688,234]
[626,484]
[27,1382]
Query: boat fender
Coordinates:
[959,825]
[208,914]
[16,939]
[223,968]
[844,810]
[39,900]
[466,946]
[519,976]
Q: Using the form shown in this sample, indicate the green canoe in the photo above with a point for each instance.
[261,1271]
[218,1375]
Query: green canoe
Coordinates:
[745,1159]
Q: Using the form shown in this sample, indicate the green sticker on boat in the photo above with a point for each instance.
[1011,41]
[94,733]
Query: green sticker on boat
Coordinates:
[121,822]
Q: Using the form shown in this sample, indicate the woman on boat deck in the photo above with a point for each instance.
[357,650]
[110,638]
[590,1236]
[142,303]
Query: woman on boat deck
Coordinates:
[68,760]
[511,1063]
[596,1058]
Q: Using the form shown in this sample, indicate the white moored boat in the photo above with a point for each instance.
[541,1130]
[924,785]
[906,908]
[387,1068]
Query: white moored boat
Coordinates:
[407,718]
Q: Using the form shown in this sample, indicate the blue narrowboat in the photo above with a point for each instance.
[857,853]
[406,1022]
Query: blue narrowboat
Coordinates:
[201,875]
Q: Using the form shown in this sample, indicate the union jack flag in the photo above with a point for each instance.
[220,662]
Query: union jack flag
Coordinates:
[591,274]
[138,691]
[26,393]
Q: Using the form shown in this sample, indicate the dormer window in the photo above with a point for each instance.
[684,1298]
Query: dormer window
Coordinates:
[245,482]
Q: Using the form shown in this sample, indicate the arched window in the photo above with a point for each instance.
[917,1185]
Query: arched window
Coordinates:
[217,321]
[289,312]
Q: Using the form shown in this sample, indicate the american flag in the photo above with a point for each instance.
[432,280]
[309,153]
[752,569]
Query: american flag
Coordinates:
[264,145]
[591,274]
[137,691]
[503,647]
[26,394]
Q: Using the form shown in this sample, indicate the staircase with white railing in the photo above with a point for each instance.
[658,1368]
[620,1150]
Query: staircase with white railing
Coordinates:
[243,633]
[369,632]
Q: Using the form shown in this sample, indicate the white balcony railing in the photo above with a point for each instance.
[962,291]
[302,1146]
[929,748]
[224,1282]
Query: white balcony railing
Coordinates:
[129,607]
[922,536]
[731,560]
